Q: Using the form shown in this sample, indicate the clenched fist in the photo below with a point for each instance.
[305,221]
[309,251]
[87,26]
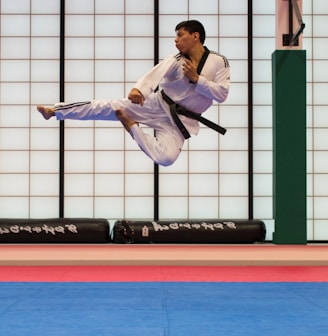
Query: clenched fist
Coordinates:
[190,71]
[136,97]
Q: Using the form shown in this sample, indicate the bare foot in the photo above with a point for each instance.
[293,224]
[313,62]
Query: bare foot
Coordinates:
[125,120]
[47,112]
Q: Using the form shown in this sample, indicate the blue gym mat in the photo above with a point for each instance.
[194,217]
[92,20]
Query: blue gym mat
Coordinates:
[163,309]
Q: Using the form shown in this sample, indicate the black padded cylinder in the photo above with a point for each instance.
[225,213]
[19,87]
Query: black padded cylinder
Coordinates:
[189,231]
[54,230]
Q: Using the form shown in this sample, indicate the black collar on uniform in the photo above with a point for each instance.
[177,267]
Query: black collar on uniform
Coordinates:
[203,60]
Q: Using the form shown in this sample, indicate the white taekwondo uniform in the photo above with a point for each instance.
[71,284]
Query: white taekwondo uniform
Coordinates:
[164,149]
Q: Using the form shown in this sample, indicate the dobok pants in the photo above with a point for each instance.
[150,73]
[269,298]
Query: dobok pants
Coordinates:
[163,149]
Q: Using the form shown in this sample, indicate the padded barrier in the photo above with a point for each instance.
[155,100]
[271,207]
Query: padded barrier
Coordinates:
[55,230]
[189,231]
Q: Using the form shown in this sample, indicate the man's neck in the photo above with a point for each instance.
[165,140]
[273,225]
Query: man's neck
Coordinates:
[196,55]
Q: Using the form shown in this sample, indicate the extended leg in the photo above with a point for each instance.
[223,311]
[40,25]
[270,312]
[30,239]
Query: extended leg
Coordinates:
[88,110]
[164,148]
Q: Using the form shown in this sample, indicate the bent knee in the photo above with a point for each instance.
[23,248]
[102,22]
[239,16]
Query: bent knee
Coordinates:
[168,158]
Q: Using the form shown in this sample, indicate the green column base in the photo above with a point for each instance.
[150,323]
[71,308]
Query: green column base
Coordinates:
[289,146]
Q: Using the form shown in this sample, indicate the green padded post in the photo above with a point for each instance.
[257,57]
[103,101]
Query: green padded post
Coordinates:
[289,146]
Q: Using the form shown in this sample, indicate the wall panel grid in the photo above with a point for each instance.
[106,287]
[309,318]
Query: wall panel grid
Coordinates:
[108,46]
[29,62]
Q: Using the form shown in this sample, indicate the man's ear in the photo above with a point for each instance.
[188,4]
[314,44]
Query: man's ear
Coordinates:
[195,35]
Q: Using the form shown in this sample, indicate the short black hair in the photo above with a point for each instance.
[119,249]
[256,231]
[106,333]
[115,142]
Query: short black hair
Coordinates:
[193,26]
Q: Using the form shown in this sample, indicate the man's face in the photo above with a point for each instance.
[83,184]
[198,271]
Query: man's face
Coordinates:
[184,41]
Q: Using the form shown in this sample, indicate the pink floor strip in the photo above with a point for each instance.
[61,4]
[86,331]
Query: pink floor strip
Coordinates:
[164,273]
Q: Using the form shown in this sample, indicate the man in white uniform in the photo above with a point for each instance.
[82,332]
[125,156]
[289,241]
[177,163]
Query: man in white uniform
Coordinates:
[188,81]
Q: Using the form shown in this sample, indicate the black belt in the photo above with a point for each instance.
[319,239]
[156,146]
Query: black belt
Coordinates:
[176,109]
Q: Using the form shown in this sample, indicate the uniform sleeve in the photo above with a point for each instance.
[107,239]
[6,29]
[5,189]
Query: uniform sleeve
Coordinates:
[149,82]
[217,89]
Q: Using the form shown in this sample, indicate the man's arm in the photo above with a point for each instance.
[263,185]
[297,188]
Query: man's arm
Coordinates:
[149,82]
[217,89]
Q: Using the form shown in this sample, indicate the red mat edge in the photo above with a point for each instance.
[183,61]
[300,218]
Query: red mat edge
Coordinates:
[163,273]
